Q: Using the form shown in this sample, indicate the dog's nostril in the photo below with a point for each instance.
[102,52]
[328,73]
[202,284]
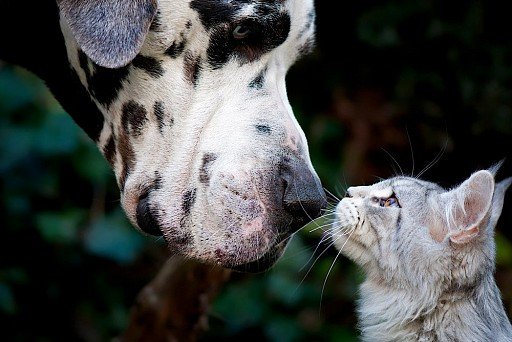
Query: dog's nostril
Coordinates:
[145,218]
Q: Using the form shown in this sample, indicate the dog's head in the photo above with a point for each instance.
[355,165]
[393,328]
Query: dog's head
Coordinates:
[198,127]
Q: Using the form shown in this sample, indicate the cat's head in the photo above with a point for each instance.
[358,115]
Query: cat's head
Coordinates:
[408,233]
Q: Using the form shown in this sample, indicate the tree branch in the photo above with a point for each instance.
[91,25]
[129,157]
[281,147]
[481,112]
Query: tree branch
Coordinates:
[174,305]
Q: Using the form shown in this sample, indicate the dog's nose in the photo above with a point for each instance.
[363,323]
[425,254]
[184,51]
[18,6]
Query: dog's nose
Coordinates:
[303,197]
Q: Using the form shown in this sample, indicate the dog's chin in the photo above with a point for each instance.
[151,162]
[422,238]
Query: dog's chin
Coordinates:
[263,263]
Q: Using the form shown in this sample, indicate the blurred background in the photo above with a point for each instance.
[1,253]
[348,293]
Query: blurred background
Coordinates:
[392,87]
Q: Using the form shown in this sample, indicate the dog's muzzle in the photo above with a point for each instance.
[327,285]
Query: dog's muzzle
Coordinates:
[243,219]
[303,200]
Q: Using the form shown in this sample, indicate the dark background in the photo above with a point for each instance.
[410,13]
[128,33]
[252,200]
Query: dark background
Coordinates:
[392,87]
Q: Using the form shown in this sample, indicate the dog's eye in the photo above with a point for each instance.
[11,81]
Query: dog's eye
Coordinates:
[241,32]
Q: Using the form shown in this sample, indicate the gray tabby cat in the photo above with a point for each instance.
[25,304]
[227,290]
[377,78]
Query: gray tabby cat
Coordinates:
[429,258]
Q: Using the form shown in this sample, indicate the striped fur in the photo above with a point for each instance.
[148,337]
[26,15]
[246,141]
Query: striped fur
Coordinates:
[429,260]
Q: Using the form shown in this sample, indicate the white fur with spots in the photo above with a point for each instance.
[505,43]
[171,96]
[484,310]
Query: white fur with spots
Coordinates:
[206,151]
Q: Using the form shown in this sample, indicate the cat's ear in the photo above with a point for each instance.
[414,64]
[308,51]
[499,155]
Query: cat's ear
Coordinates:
[468,205]
[496,167]
[497,200]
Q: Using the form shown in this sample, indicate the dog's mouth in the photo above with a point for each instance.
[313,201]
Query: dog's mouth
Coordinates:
[265,262]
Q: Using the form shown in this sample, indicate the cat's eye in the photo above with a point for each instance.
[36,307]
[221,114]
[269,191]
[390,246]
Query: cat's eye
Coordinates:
[390,202]
[241,32]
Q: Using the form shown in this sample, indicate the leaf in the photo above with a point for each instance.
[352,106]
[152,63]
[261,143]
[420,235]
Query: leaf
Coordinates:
[60,227]
[16,145]
[503,250]
[15,92]
[57,135]
[7,301]
[283,329]
[91,164]
[112,237]
[237,316]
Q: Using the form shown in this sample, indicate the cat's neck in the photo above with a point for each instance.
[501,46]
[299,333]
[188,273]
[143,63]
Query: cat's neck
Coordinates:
[464,314]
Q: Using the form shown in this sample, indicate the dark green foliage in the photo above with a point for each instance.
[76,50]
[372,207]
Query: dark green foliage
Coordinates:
[67,250]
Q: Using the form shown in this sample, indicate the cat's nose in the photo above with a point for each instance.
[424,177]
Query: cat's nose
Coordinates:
[351,192]
[357,191]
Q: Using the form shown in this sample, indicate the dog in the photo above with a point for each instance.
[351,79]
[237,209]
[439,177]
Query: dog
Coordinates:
[186,100]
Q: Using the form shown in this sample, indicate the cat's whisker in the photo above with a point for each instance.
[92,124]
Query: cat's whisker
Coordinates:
[396,163]
[328,216]
[300,252]
[332,265]
[412,151]
[339,230]
[322,240]
[303,209]
[328,213]
[315,222]
[434,161]
[312,221]
[332,195]
[320,227]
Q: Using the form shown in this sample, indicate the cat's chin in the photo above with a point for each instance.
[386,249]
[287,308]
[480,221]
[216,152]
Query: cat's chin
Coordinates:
[355,251]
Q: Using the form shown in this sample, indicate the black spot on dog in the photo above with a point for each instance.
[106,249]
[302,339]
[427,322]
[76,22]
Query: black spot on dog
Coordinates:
[104,83]
[84,64]
[125,150]
[188,201]
[188,24]
[263,129]
[186,205]
[149,65]
[155,24]
[109,150]
[307,47]
[266,33]
[70,91]
[178,237]
[158,109]
[147,213]
[134,117]
[146,218]
[175,49]
[310,19]
[192,68]
[269,27]
[213,13]
[204,171]
[157,181]
[258,81]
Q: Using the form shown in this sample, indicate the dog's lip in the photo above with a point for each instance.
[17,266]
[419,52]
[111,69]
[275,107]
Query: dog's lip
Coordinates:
[265,262]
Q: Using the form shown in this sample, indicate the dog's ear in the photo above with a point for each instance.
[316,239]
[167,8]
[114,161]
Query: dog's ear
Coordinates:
[110,32]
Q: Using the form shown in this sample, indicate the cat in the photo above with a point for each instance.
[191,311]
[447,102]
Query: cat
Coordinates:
[428,255]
